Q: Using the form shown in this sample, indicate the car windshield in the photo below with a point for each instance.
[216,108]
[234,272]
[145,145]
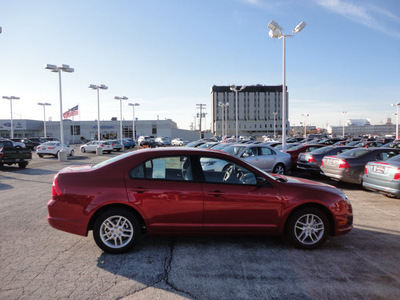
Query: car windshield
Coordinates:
[355,152]
[234,149]
[111,160]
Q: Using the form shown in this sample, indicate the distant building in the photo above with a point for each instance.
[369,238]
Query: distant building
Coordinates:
[73,131]
[256,107]
[358,122]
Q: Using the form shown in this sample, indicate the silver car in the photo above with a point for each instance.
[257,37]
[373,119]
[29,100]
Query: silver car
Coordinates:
[383,176]
[263,157]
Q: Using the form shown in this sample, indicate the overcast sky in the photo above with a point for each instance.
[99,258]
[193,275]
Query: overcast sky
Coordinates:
[167,54]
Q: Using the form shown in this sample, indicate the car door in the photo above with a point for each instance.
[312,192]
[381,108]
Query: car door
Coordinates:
[267,159]
[238,204]
[164,191]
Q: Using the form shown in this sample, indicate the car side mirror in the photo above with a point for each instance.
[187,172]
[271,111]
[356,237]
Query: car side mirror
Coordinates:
[261,181]
[244,155]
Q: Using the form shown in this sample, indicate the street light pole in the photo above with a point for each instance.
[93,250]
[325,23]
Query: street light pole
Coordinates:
[62,155]
[397,119]
[305,124]
[276,31]
[344,120]
[120,113]
[235,90]
[44,115]
[133,119]
[11,98]
[98,87]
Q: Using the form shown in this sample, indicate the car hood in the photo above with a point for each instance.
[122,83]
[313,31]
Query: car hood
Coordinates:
[302,183]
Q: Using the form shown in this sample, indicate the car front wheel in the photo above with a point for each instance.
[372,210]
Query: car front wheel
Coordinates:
[116,231]
[308,228]
[83,150]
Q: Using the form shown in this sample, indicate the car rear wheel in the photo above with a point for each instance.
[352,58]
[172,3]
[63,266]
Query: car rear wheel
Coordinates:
[22,165]
[279,169]
[116,231]
[40,155]
[308,228]
[72,153]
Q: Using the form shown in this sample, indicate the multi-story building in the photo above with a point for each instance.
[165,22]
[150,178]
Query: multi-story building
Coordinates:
[259,110]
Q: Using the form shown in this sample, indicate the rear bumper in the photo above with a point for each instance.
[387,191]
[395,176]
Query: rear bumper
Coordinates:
[391,188]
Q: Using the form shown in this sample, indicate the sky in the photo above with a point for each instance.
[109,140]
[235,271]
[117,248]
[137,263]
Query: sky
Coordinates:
[167,54]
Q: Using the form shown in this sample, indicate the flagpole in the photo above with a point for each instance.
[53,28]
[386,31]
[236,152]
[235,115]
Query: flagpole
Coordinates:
[73,129]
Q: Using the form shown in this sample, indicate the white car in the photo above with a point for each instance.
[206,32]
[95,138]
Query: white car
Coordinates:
[179,142]
[92,146]
[53,148]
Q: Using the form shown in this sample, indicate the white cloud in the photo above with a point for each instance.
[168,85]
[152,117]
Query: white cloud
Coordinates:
[368,15]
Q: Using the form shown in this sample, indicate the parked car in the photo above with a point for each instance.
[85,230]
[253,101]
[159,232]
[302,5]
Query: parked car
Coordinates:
[53,148]
[128,143]
[209,145]
[383,176]
[166,191]
[179,142]
[368,144]
[147,141]
[163,141]
[265,158]
[27,142]
[92,146]
[195,144]
[9,154]
[301,148]
[311,161]
[349,166]
[116,145]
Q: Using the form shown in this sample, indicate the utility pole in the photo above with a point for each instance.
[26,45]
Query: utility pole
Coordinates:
[200,115]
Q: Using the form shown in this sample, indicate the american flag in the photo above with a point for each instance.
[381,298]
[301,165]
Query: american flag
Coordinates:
[71,112]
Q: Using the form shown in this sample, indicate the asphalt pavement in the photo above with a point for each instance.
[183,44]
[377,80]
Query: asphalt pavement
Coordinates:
[39,262]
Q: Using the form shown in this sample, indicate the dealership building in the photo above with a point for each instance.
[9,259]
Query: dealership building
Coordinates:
[74,131]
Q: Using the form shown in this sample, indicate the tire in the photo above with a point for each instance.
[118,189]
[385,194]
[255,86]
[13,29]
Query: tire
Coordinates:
[109,152]
[110,228]
[40,155]
[279,169]
[72,153]
[118,150]
[83,150]
[308,228]
[57,154]
[22,165]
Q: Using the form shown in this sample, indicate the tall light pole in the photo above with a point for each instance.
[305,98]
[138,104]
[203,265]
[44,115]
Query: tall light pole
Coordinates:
[344,120]
[62,156]
[98,87]
[235,90]
[133,119]
[397,119]
[201,115]
[277,32]
[224,107]
[44,104]
[275,114]
[305,124]
[11,98]
[120,113]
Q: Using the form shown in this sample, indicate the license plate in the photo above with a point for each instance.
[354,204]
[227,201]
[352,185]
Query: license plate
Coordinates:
[44,148]
[379,169]
[330,162]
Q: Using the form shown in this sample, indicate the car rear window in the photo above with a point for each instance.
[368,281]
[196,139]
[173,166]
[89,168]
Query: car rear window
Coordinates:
[323,150]
[235,150]
[394,158]
[355,152]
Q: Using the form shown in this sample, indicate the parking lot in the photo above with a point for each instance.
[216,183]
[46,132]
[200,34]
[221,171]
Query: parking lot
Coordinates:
[39,262]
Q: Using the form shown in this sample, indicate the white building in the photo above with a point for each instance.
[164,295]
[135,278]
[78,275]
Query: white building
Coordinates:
[256,107]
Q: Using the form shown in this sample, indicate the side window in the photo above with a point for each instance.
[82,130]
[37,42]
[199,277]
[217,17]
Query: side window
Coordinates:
[251,151]
[266,151]
[164,168]
[217,170]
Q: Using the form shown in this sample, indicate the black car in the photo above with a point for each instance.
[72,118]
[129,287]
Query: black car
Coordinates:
[28,143]
[312,161]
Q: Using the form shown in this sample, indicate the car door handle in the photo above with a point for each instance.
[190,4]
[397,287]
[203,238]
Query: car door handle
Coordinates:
[139,190]
[216,193]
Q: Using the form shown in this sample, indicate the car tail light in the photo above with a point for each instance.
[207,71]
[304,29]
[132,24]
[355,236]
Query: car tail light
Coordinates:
[55,189]
[311,159]
[344,164]
[1,155]
[102,145]
[366,170]
[397,175]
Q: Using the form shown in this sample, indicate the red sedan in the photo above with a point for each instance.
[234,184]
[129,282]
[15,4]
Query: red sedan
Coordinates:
[302,148]
[185,191]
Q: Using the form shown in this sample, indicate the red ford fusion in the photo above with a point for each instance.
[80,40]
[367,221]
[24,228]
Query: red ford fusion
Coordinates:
[185,191]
